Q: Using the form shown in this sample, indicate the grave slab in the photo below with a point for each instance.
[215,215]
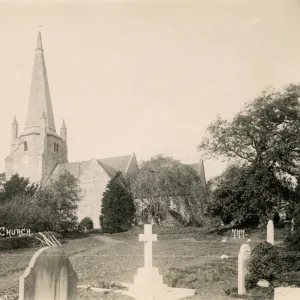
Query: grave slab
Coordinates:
[286,293]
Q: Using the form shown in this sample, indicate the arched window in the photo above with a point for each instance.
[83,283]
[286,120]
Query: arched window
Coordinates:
[25,146]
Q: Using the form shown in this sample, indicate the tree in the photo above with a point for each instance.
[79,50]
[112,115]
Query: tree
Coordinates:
[248,194]
[17,186]
[266,132]
[60,201]
[49,208]
[162,182]
[117,207]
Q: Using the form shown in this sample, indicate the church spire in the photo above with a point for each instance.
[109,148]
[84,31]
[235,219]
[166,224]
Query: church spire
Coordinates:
[202,172]
[39,99]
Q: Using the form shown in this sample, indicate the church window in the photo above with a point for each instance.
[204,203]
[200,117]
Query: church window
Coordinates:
[25,146]
[56,146]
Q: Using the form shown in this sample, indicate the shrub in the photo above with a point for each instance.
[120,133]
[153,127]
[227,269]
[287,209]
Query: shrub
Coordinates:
[86,223]
[117,207]
[293,238]
[271,263]
[11,243]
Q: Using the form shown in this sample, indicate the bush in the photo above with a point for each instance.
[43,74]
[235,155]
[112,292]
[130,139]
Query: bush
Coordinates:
[18,243]
[271,263]
[86,223]
[117,207]
[293,238]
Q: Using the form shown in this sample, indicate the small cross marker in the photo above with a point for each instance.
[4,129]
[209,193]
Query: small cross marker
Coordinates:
[148,238]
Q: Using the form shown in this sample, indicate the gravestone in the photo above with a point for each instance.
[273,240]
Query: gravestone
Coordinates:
[49,276]
[243,260]
[148,283]
[286,293]
[270,232]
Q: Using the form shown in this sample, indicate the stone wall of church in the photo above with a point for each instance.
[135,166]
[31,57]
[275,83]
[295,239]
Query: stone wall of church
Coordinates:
[93,182]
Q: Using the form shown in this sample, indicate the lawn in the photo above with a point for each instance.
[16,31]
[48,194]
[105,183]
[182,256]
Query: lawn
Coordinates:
[186,257]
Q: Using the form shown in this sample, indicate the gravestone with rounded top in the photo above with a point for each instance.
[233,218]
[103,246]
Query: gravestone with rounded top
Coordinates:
[49,276]
[270,232]
[243,260]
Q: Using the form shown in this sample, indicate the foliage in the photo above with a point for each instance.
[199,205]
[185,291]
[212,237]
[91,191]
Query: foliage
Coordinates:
[86,223]
[293,239]
[247,194]
[117,208]
[51,208]
[266,132]
[17,186]
[273,264]
[60,201]
[162,181]
[11,243]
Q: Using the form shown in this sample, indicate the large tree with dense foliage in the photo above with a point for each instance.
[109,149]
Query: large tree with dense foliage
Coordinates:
[163,180]
[266,132]
[117,209]
[264,138]
[248,194]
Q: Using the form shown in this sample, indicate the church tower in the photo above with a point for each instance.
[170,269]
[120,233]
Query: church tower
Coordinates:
[35,153]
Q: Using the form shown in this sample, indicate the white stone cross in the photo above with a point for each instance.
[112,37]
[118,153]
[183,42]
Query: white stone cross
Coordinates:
[148,238]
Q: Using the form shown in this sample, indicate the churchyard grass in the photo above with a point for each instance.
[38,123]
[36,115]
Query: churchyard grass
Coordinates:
[193,256]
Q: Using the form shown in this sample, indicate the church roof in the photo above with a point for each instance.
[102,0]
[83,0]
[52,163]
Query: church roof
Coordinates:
[119,163]
[111,166]
[39,99]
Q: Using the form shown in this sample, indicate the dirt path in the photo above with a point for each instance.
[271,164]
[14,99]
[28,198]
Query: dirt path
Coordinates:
[108,243]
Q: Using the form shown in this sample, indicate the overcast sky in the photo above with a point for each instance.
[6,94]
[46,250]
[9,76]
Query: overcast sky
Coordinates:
[145,76]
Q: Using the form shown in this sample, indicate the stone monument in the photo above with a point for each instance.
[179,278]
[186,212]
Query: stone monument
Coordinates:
[49,276]
[243,260]
[148,284]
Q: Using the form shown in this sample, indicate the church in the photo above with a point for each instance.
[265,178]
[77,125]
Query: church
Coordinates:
[41,154]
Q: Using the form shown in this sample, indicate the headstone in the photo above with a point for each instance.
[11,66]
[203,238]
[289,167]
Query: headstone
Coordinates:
[286,293]
[49,276]
[243,260]
[270,232]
